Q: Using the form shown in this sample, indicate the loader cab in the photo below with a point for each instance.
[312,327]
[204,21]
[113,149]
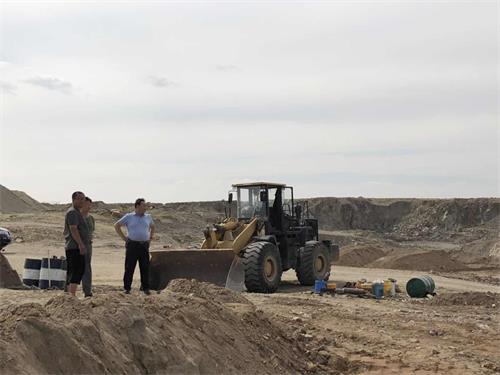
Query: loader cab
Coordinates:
[270,202]
[282,221]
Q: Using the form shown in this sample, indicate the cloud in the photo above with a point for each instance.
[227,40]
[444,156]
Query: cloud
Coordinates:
[161,82]
[8,88]
[51,83]
[357,88]
[226,68]
[5,64]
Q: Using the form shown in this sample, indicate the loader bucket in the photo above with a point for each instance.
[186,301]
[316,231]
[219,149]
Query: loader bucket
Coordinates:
[210,265]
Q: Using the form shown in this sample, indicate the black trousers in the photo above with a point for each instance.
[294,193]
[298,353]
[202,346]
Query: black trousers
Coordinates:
[136,252]
[75,266]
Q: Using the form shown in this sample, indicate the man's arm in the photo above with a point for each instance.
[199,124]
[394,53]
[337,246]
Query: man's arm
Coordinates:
[152,229]
[118,229]
[76,236]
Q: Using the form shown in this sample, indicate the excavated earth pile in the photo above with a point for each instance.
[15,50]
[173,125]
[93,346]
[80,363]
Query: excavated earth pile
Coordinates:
[436,260]
[12,201]
[8,276]
[405,217]
[190,328]
[486,299]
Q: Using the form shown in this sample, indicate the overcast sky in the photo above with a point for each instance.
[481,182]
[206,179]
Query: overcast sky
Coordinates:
[174,102]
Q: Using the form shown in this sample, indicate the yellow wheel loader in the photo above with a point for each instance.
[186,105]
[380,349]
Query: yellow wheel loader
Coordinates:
[269,235]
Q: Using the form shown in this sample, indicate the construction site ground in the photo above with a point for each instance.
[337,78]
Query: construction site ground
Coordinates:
[198,328]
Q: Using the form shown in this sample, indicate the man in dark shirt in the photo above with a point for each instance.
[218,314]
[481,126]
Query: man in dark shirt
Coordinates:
[76,235]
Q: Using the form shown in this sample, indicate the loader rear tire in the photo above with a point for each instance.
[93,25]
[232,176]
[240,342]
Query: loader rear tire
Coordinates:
[314,263]
[262,264]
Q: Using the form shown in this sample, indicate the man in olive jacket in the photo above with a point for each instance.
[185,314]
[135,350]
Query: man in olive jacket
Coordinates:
[87,275]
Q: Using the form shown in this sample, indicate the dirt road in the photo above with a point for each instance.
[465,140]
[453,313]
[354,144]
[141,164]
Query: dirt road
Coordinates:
[108,263]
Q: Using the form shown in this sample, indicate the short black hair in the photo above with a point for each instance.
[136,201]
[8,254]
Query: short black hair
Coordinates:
[88,199]
[138,201]
[76,194]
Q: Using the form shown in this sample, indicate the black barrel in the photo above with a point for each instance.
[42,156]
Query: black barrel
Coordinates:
[31,272]
[53,274]
[419,287]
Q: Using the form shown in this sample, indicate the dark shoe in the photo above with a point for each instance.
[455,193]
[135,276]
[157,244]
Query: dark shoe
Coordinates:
[147,292]
[127,291]
[89,295]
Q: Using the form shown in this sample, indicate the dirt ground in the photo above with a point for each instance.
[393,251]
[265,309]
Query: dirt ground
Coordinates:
[342,334]
[204,329]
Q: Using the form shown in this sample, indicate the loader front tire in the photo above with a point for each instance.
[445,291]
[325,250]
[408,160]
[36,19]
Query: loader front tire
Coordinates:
[263,269]
[314,263]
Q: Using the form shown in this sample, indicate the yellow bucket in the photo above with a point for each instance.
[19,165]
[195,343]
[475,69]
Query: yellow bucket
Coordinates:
[387,287]
[331,286]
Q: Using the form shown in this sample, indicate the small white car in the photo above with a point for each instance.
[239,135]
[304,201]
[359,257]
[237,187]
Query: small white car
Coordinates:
[5,238]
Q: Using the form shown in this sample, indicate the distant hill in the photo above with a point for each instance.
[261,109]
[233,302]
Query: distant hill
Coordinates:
[13,201]
[29,200]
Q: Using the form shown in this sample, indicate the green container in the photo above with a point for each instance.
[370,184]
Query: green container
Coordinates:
[419,287]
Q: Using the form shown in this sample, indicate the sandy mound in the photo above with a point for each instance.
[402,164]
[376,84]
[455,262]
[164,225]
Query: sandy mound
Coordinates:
[167,333]
[33,203]
[358,213]
[8,277]
[205,290]
[486,250]
[436,260]
[17,202]
[467,298]
[359,256]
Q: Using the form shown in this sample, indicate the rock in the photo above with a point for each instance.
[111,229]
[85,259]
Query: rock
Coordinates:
[482,326]
[339,363]
[491,366]
[435,352]
[311,366]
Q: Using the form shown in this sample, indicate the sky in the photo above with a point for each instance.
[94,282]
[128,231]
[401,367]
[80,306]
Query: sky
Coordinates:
[175,101]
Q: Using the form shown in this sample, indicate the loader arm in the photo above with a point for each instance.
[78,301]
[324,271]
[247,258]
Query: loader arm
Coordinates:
[244,237]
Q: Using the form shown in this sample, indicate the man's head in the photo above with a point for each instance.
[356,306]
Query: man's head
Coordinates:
[140,206]
[87,205]
[78,199]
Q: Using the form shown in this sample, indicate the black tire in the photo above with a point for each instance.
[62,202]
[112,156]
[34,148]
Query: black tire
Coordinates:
[262,264]
[313,263]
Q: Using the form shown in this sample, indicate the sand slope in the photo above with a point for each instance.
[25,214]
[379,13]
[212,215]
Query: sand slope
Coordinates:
[17,202]
[210,330]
